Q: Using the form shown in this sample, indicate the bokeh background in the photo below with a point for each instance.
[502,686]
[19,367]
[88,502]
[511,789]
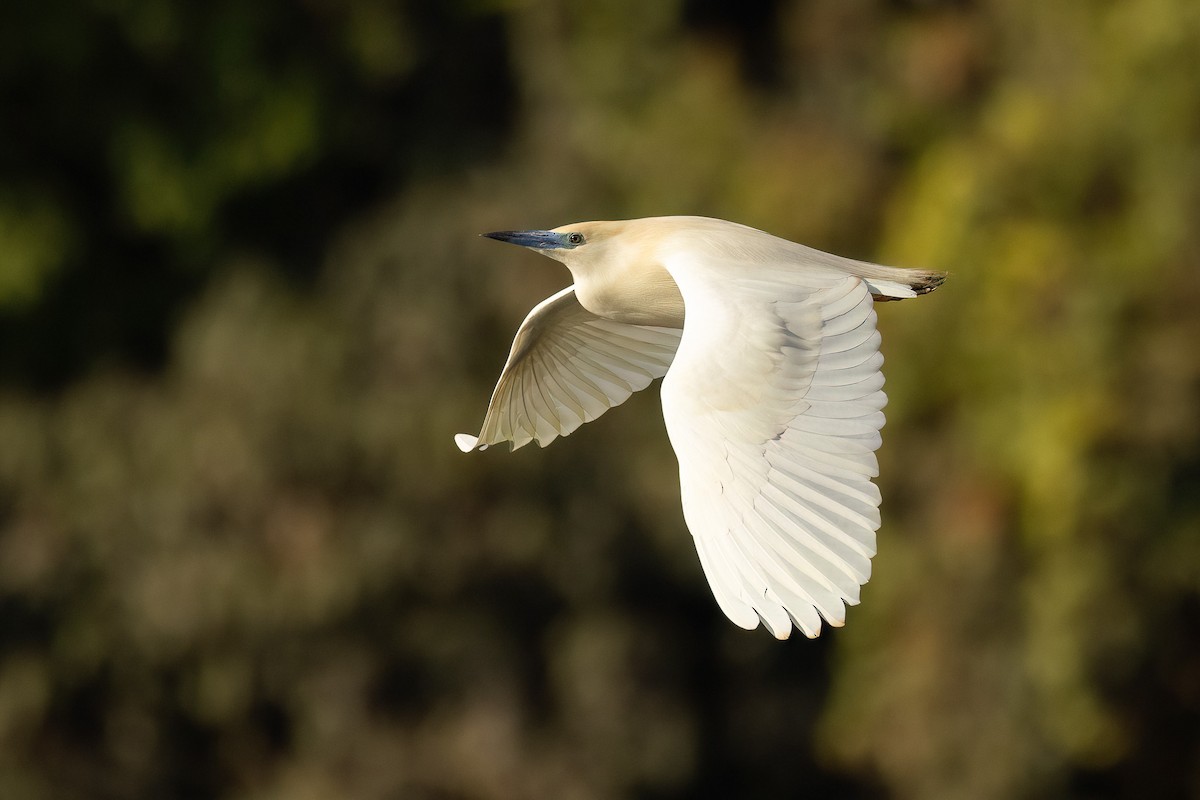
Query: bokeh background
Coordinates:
[244,308]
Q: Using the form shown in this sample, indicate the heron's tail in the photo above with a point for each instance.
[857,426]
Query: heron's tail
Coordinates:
[905,283]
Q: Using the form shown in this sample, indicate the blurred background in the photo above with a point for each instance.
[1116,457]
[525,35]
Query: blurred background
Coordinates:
[244,308]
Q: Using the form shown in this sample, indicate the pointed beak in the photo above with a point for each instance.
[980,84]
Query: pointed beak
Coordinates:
[538,240]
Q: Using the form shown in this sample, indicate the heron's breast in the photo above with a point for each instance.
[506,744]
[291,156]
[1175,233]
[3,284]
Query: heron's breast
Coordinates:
[643,296]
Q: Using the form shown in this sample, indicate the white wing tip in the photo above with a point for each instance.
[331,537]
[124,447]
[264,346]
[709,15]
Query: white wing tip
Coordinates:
[466,442]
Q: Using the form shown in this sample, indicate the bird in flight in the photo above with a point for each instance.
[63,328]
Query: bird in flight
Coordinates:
[772,394]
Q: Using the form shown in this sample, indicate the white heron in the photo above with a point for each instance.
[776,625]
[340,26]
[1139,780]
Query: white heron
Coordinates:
[772,396]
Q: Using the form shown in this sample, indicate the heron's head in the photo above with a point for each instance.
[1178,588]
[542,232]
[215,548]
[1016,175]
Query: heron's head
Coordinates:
[582,246]
[617,267]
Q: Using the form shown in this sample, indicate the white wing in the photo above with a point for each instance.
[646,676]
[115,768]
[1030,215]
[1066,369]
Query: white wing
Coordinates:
[568,366]
[773,408]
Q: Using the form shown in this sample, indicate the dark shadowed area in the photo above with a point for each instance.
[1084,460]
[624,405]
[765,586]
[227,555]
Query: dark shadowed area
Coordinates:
[244,308]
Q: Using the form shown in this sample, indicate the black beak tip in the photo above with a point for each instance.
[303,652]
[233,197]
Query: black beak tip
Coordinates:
[538,240]
[508,237]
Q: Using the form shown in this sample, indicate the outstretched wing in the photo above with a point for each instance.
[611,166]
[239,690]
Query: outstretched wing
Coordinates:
[568,366]
[773,408]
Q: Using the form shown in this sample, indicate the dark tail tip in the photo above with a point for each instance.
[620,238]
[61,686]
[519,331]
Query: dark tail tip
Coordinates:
[928,282]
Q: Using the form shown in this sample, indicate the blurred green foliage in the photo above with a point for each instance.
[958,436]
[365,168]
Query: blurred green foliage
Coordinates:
[243,309]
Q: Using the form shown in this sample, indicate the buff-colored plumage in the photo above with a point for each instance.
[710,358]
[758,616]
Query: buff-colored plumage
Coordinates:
[772,397]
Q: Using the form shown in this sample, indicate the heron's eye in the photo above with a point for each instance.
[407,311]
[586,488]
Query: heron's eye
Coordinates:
[575,238]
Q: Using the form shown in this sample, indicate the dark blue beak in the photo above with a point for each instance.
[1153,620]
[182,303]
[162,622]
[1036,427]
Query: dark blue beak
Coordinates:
[539,240]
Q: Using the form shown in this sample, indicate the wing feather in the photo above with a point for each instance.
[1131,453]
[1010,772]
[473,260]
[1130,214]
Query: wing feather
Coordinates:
[567,367]
[773,406]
